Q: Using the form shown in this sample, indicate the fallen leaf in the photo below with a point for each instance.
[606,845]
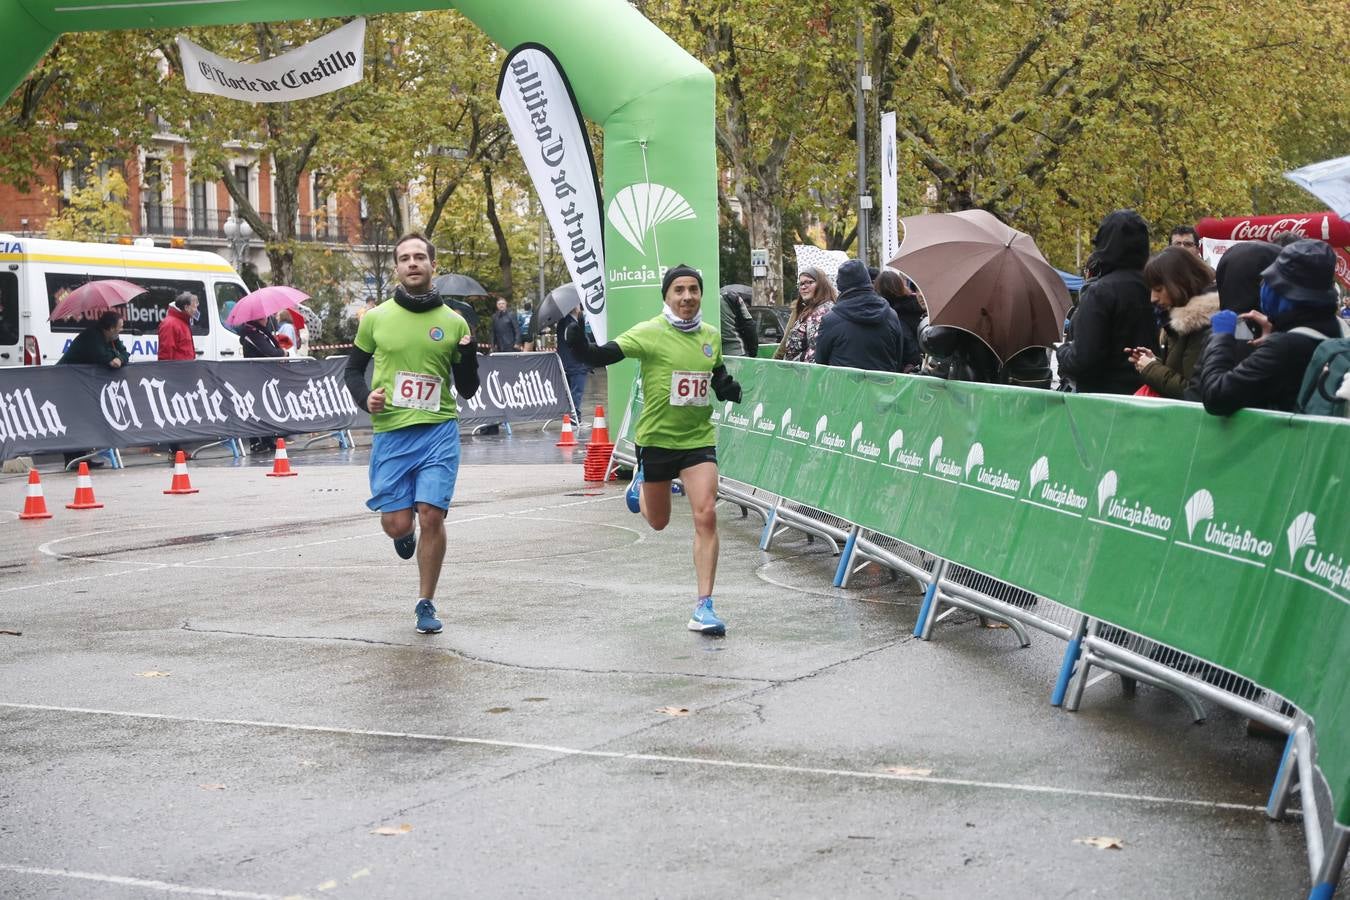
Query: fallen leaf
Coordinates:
[327,885]
[362,873]
[393,829]
[152,674]
[14,633]
[308,762]
[535,699]
[1101,843]
[994,623]
[500,709]
[907,770]
[212,787]
[674,710]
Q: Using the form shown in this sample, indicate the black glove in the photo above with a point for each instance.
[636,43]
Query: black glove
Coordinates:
[573,333]
[726,387]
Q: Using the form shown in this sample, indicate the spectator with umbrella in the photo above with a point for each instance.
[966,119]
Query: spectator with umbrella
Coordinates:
[995,305]
[99,344]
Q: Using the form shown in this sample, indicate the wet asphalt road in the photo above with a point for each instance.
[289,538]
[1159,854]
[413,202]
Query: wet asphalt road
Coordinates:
[222,695]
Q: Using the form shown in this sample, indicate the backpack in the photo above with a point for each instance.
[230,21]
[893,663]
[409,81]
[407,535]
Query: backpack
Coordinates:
[1326,382]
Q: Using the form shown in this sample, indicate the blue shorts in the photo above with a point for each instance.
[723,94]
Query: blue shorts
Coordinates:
[417,464]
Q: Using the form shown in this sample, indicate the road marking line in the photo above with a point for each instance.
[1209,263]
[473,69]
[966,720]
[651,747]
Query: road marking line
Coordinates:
[163,886]
[649,757]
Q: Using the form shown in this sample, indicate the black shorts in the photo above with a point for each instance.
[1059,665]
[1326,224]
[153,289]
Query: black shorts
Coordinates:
[660,464]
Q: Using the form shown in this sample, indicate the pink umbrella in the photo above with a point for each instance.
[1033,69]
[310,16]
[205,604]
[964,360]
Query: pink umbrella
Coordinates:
[265,302]
[93,298]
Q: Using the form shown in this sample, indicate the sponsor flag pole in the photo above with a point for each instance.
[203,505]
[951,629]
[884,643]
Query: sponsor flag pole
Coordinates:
[545,121]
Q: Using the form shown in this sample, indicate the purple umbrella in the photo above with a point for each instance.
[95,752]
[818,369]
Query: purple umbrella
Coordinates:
[92,298]
[265,302]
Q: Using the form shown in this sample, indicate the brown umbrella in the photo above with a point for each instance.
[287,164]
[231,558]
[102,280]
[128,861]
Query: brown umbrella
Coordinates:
[980,275]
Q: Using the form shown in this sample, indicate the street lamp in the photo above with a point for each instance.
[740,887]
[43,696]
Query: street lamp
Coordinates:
[238,233]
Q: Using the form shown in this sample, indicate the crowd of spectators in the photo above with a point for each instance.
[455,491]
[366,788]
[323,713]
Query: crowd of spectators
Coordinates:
[1166,325]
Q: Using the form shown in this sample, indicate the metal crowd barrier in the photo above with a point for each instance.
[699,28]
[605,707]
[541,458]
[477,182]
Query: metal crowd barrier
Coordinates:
[1327,841]
[1090,643]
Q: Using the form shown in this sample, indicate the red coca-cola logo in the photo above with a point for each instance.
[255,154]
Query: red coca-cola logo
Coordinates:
[1247,230]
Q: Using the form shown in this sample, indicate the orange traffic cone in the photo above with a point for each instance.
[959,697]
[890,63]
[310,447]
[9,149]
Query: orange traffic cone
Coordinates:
[84,491]
[599,428]
[281,463]
[35,505]
[569,438]
[181,483]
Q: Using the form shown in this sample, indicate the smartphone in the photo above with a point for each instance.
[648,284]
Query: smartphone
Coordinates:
[1244,332]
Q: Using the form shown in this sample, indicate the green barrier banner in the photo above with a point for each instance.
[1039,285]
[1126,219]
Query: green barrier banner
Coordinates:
[1224,537]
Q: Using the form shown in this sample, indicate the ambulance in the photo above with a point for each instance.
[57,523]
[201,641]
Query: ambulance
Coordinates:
[35,274]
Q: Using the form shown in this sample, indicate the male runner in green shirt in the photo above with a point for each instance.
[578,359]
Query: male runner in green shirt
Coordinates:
[681,361]
[419,345]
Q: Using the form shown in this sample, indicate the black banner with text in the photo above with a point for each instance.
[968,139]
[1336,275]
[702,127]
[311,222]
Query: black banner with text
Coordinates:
[58,408]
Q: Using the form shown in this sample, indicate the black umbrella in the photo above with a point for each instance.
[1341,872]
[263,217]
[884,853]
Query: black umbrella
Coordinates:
[452,285]
[559,302]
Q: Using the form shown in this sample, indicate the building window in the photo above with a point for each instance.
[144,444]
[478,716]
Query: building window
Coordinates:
[154,199]
[241,182]
[199,207]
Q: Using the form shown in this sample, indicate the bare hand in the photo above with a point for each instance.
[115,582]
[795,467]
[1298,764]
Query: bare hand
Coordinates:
[115,364]
[1140,357]
[464,341]
[375,402]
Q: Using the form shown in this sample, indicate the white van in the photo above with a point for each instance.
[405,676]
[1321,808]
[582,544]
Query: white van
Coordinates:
[35,274]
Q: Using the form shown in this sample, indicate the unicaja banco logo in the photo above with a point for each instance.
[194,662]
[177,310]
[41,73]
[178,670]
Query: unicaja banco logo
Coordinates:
[791,430]
[1312,565]
[861,448]
[988,479]
[898,455]
[827,439]
[1221,538]
[1127,514]
[1052,495]
[1301,534]
[636,210]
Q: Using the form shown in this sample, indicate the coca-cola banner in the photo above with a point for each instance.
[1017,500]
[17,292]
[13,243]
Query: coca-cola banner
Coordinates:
[46,408]
[1323,226]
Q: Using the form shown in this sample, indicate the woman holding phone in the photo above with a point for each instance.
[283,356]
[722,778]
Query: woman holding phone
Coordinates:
[1181,287]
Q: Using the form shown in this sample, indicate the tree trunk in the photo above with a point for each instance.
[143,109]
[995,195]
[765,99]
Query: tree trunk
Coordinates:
[503,249]
[765,221]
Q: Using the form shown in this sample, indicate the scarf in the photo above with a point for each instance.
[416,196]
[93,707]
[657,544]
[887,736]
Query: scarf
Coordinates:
[686,325]
[417,302]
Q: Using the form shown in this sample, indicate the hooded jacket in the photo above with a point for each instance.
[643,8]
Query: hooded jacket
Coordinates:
[862,331]
[1271,375]
[1187,330]
[258,342]
[911,314]
[175,336]
[1114,312]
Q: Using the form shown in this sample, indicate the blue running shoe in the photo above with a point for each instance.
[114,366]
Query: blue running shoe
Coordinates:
[677,488]
[705,621]
[406,546]
[427,623]
[634,488]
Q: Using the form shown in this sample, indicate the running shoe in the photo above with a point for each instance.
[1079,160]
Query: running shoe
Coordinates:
[634,488]
[705,621]
[406,546]
[677,488]
[427,623]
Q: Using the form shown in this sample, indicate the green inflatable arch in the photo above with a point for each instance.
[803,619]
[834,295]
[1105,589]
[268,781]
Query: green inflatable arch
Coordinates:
[654,101]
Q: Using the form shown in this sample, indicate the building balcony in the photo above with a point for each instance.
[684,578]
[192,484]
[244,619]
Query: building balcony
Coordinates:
[178,221]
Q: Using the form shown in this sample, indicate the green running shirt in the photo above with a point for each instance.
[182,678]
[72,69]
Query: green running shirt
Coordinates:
[413,353]
[671,358]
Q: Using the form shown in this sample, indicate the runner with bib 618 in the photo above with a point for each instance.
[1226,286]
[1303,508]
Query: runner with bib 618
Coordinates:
[681,365]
